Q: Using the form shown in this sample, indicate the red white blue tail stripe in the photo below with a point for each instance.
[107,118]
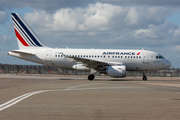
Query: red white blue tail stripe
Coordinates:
[24,33]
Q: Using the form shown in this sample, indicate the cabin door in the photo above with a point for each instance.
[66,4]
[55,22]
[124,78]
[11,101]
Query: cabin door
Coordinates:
[48,56]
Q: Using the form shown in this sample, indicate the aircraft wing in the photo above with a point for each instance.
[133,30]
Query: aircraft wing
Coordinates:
[95,64]
[89,63]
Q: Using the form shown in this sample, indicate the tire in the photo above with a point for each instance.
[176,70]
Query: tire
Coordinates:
[91,77]
[144,78]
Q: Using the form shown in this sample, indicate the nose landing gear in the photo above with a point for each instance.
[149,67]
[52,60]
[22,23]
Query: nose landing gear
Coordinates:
[144,76]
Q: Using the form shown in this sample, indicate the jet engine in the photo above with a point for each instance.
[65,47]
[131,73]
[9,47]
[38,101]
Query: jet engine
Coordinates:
[79,67]
[114,71]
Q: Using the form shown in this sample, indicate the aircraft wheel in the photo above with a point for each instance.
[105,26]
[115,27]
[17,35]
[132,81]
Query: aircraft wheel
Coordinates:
[91,77]
[144,78]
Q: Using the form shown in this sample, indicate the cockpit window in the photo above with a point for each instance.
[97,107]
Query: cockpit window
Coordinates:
[159,57]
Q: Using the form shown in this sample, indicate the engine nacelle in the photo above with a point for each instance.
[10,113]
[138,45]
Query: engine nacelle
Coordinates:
[115,71]
[79,67]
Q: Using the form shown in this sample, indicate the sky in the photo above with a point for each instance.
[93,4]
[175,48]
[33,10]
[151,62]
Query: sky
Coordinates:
[99,24]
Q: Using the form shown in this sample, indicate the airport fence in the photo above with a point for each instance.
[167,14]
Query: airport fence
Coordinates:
[41,69]
[159,73]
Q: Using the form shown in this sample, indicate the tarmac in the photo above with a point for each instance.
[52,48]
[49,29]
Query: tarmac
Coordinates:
[76,98]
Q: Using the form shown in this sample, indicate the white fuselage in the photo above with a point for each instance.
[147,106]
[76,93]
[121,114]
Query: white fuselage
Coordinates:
[63,58]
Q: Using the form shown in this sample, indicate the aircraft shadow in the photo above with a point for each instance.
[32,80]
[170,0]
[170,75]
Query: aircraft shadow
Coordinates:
[121,79]
[100,79]
[71,79]
[125,80]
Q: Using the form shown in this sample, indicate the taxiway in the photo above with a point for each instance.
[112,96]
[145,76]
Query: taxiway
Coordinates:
[44,98]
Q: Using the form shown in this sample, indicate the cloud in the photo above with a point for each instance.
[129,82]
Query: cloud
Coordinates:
[93,17]
[177,48]
[177,33]
[54,5]
[161,31]
[4,16]
[46,5]
[5,40]
[98,17]
[143,2]
[103,24]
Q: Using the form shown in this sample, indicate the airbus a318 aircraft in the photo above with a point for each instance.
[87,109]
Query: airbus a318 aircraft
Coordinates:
[113,62]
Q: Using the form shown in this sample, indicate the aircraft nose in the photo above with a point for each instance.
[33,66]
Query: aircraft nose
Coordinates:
[168,63]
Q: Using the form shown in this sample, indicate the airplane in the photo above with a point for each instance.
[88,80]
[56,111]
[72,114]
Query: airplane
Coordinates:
[112,62]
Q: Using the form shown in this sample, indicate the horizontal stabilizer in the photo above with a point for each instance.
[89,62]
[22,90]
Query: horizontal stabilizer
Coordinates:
[21,52]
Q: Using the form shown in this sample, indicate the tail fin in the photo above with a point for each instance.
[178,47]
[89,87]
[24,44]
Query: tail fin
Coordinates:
[25,36]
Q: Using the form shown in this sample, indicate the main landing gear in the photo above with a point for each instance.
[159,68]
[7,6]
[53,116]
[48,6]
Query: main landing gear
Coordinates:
[91,77]
[144,76]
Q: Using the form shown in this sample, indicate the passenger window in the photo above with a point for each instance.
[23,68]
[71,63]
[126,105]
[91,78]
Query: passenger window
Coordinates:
[139,56]
[157,57]
[55,55]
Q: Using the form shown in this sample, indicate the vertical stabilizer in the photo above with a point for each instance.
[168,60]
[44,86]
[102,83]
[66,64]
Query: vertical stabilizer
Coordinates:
[26,37]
